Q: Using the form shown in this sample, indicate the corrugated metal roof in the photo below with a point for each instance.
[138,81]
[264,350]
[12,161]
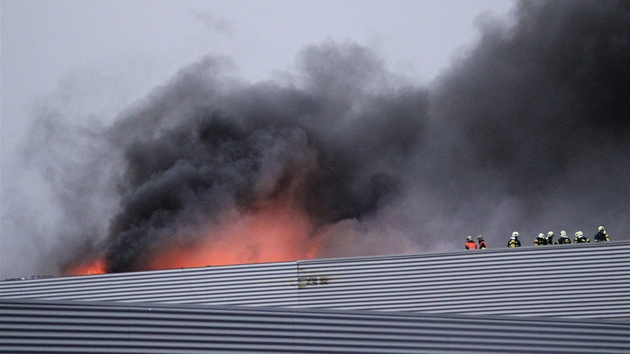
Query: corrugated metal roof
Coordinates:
[264,284]
[570,281]
[578,281]
[35,326]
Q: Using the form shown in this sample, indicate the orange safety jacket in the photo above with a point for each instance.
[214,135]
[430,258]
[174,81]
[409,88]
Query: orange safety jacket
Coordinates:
[471,245]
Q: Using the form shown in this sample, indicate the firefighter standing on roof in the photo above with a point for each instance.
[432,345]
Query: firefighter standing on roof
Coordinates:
[514,242]
[601,235]
[540,240]
[579,238]
[550,236]
[482,244]
[563,238]
[470,244]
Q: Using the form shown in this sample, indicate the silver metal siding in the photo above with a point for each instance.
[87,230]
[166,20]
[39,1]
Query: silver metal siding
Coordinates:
[577,281]
[265,284]
[570,281]
[35,326]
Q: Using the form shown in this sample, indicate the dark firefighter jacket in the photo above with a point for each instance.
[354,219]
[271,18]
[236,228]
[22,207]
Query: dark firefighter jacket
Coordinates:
[581,240]
[514,243]
[564,239]
[482,245]
[539,241]
[601,237]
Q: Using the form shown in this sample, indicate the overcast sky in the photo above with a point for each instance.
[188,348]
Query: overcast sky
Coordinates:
[50,47]
[52,53]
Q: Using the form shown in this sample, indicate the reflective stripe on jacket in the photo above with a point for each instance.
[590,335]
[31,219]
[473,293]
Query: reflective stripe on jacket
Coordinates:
[513,243]
[601,237]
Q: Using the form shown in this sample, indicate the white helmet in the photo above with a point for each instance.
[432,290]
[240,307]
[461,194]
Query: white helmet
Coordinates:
[469,238]
[579,234]
[601,228]
[550,233]
[514,234]
[541,235]
[563,233]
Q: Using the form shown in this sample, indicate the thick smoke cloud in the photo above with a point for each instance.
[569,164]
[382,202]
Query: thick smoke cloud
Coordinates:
[529,130]
[542,111]
[327,143]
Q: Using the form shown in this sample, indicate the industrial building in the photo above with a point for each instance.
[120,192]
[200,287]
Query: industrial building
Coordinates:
[554,299]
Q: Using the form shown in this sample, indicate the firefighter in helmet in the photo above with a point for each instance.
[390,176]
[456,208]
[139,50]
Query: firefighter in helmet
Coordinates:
[579,238]
[563,238]
[470,244]
[550,237]
[514,242]
[601,235]
[482,244]
[540,240]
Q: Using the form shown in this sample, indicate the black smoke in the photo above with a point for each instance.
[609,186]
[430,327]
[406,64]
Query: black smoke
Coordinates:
[528,130]
[203,145]
[541,111]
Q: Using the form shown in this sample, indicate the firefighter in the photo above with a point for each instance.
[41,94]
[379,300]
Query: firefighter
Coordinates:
[470,244]
[514,242]
[540,240]
[601,235]
[579,238]
[563,238]
[482,244]
[550,236]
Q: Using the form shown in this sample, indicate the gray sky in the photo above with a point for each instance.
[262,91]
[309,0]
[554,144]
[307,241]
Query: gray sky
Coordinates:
[53,46]
[52,52]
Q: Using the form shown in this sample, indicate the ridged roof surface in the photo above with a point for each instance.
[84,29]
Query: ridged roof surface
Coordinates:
[38,326]
[580,281]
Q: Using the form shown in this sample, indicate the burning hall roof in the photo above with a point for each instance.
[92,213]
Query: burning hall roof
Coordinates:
[527,130]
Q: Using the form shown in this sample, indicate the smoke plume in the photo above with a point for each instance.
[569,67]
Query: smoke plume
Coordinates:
[528,130]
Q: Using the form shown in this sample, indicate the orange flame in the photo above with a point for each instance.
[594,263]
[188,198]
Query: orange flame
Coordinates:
[87,268]
[273,234]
